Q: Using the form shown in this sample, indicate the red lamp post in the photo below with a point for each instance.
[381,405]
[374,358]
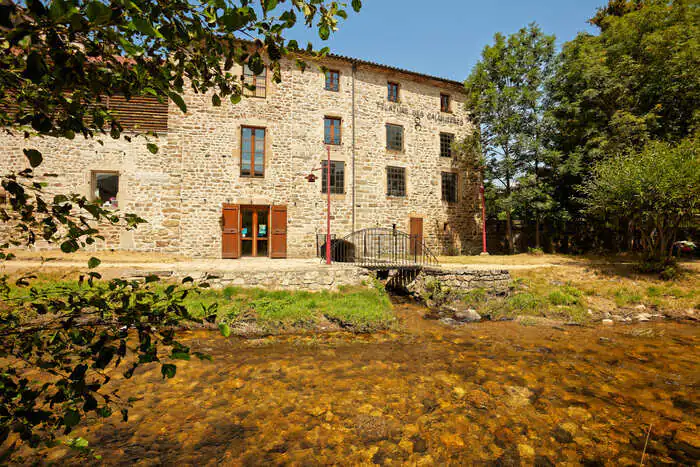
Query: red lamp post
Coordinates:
[328,212]
[483,220]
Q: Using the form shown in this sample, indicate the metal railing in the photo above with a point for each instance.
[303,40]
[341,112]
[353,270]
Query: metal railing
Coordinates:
[378,248]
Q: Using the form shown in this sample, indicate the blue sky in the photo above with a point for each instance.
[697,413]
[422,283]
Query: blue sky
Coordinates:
[445,37]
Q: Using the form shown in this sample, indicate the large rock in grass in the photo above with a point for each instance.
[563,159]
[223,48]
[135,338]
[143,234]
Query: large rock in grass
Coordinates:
[468,316]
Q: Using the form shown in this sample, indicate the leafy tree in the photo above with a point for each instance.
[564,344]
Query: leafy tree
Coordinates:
[613,92]
[506,97]
[657,188]
[59,60]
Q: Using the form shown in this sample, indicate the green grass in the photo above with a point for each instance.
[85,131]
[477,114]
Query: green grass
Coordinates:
[359,309]
[625,296]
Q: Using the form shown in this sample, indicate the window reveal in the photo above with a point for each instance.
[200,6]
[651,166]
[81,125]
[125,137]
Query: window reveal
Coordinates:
[446,141]
[332,130]
[449,187]
[106,188]
[395,181]
[255,85]
[332,80]
[337,177]
[394,137]
[392,92]
[253,152]
[445,103]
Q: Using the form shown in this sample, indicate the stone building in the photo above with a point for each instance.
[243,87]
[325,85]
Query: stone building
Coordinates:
[249,179]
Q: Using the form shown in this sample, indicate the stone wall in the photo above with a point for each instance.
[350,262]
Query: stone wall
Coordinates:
[462,280]
[181,189]
[149,184]
[315,279]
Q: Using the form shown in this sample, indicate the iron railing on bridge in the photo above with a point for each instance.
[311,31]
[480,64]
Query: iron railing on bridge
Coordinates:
[378,248]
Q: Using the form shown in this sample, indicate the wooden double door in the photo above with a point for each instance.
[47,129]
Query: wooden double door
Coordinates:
[254,231]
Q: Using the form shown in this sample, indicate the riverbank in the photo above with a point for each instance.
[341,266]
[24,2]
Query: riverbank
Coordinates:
[251,312]
[549,289]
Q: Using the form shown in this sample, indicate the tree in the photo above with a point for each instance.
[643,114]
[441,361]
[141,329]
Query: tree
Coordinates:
[657,188]
[59,60]
[613,92]
[506,97]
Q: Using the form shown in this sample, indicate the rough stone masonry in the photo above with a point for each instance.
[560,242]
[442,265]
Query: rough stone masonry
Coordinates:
[181,190]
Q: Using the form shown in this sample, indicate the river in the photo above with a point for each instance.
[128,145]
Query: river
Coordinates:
[488,393]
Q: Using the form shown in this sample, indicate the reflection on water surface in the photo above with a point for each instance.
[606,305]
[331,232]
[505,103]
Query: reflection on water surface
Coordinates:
[491,393]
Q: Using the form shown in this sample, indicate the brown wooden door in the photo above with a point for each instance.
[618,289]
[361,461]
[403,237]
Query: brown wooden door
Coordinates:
[416,236]
[230,238]
[278,232]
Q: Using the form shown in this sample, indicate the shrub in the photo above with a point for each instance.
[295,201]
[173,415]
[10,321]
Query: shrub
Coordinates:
[535,251]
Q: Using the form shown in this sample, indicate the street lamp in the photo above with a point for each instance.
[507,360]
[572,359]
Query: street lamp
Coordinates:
[312,178]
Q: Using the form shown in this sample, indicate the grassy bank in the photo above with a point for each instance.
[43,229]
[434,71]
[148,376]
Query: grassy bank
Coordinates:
[357,309]
[252,311]
[590,291]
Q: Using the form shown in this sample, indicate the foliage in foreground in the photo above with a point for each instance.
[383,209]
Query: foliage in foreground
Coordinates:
[59,60]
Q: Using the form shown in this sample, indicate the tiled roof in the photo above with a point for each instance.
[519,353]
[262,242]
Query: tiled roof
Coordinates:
[393,68]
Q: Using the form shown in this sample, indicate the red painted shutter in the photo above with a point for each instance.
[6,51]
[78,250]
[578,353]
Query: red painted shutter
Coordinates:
[278,232]
[230,240]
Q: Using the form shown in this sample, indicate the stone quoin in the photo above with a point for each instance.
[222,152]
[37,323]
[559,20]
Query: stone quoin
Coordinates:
[234,180]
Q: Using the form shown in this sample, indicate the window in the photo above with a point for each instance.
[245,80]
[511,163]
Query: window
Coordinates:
[332,80]
[394,137]
[337,177]
[393,91]
[395,181]
[331,130]
[253,152]
[449,187]
[105,186]
[255,85]
[445,103]
[446,141]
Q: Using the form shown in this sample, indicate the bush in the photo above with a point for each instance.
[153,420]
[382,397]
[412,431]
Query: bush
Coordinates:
[535,251]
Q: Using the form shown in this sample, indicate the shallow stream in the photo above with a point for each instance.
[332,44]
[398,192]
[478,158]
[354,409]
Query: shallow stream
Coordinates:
[488,393]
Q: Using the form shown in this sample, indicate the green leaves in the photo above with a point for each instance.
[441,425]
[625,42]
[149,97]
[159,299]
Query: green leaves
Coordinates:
[168,370]
[356,5]
[178,100]
[269,5]
[35,158]
[98,12]
[152,148]
[224,329]
[144,26]
[93,262]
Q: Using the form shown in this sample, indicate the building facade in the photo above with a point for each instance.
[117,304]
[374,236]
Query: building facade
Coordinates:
[249,179]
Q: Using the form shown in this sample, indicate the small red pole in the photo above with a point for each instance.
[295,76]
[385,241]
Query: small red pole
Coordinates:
[483,219]
[328,213]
